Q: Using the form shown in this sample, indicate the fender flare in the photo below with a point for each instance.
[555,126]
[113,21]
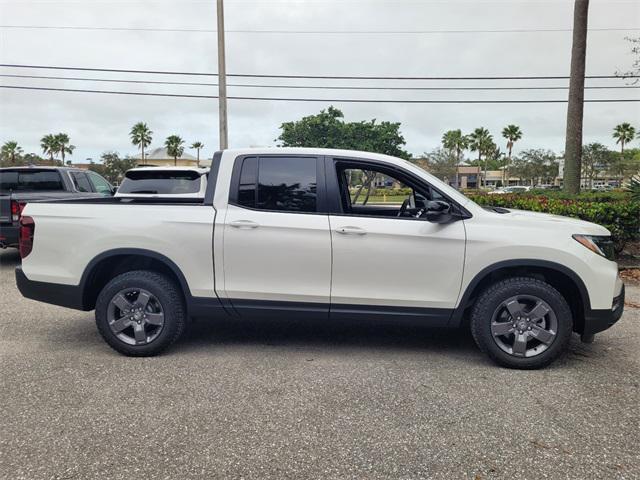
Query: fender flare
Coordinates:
[139,252]
[463,303]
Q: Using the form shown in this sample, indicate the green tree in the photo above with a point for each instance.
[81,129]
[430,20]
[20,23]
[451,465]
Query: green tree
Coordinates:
[327,129]
[64,145]
[623,133]
[624,165]
[536,166]
[596,158]
[113,167]
[141,136]
[11,152]
[441,163]
[49,145]
[198,146]
[456,143]
[481,141]
[175,147]
[512,134]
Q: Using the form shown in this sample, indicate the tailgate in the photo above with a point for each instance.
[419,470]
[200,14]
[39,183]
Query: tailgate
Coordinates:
[5,208]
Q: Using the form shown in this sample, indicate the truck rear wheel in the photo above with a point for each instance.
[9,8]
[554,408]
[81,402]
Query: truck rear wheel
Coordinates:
[140,313]
[522,323]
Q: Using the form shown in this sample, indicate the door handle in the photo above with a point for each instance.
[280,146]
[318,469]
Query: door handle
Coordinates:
[243,224]
[351,231]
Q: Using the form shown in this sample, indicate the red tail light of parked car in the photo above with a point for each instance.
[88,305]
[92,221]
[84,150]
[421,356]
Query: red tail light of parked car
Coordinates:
[27,230]
[16,210]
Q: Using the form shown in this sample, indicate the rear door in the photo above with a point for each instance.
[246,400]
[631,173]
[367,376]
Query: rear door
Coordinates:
[277,245]
[387,259]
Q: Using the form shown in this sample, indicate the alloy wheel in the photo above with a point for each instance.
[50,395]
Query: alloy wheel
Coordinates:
[524,326]
[135,316]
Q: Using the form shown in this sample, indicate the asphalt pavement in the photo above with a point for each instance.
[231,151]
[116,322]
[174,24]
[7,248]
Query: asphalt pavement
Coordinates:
[298,400]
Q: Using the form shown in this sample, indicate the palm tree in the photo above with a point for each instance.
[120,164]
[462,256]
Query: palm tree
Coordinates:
[49,145]
[512,133]
[197,145]
[62,141]
[455,142]
[623,134]
[11,150]
[481,141]
[141,137]
[575,105]
[175,147]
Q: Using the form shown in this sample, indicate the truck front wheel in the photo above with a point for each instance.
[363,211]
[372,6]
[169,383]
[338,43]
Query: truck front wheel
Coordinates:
[140,313]
[522,323]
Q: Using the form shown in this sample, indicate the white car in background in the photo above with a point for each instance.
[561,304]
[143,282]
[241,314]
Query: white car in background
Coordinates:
[165,182]
[513,189]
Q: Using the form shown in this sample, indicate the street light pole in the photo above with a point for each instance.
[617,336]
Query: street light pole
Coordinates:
[222,81]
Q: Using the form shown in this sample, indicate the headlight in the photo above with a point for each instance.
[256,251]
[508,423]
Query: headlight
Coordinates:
[602,245]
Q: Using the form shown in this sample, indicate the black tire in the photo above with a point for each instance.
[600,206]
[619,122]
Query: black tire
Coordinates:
[167,294]
[491,301]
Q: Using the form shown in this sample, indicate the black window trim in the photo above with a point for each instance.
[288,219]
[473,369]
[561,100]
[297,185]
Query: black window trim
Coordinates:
[335,199]
[321,190]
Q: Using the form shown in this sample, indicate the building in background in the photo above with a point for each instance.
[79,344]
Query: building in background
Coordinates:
[160,158]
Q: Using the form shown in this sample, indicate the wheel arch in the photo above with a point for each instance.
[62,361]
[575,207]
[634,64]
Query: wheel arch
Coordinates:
[111,263]
[562,278]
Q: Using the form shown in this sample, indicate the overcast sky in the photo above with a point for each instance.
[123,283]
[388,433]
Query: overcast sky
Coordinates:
[97,123]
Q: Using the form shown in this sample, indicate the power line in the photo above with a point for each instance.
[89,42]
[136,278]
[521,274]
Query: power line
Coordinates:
[318,77]
[312,32]
[326,100]
[313,87]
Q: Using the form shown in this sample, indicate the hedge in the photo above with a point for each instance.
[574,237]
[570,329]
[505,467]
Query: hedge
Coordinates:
[614,210]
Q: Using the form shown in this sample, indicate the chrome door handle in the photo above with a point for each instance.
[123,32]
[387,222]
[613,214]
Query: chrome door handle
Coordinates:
[243,224]
[351,231]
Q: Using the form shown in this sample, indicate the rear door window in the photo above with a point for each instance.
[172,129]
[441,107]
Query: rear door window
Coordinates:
[81,182]
[160,182]
[30,181]
[100,185]
[277,183]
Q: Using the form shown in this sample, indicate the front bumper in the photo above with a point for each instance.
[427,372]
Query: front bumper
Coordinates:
[598,320]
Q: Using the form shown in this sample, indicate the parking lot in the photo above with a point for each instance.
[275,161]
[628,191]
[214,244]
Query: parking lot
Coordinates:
[307,401]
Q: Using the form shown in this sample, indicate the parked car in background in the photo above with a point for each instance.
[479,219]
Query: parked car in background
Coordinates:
[280,234]
[20,185]
[512,189]
[171,182]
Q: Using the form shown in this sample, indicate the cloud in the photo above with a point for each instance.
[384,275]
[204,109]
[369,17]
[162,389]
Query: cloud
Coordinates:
[101,122]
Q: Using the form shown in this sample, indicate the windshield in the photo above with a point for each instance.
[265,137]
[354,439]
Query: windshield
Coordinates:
[30,181]
[161,182]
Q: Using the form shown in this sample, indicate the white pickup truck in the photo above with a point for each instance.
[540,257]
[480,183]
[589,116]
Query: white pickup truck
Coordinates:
[324,234]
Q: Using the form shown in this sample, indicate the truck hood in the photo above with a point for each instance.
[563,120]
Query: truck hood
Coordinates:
[553,221]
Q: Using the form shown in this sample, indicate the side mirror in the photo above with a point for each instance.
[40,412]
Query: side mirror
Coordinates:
[438,211]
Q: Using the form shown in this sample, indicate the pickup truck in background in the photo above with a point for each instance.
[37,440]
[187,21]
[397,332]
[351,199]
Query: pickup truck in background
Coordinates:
[21,185]
[166,182]
[323,234]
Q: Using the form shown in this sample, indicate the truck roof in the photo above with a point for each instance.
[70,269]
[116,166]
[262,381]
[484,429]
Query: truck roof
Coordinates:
[152,168]
[312,151]
[41,167]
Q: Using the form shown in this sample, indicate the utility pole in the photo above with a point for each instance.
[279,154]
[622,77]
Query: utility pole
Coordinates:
[222,81]
[575,107]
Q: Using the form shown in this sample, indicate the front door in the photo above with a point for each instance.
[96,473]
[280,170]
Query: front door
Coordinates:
[277,247]
[387,258]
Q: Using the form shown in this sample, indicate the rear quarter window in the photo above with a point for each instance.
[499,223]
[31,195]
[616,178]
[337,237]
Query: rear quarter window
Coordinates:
[161,182]
[30,181]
